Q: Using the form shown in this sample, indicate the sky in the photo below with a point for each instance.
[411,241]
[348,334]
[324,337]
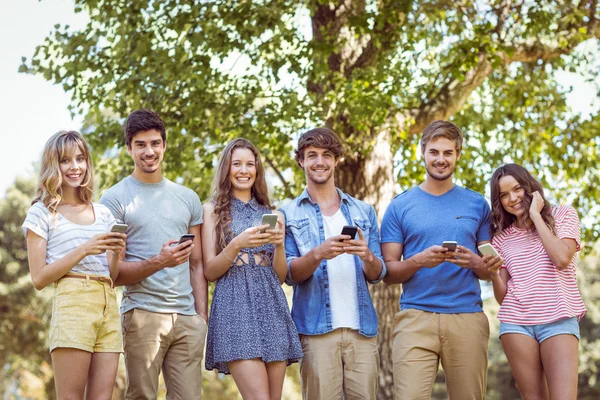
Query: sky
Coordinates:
[32,109]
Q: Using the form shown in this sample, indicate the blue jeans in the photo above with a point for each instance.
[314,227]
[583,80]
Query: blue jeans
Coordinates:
[541,332]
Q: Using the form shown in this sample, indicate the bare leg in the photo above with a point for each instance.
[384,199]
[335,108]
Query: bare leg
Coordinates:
[276,376]
[560,360]
[523,353]
[251,378]
[102,376]
[71,368]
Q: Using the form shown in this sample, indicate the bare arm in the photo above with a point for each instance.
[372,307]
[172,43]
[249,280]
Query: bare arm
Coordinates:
[560,251]
[197,279]
[401,270]
[500,284]
[132,272]
[279,259]
[43,274]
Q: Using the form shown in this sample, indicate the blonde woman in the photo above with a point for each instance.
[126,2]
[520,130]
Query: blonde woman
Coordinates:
[69,245]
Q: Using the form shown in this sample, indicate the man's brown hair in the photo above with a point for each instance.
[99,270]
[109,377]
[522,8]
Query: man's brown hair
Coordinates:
[323,138]
[445,129]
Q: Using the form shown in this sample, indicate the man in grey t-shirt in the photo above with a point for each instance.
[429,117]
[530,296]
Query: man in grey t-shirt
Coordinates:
[164,307]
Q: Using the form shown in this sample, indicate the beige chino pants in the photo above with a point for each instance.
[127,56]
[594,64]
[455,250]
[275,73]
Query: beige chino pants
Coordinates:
[173,342]
[423,339]
[342,361]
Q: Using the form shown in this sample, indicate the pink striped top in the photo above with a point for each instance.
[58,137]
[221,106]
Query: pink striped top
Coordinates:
[538,292]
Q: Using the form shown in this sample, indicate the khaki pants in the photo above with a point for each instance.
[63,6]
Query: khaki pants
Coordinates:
[342,361]
[174,342]
[423,339]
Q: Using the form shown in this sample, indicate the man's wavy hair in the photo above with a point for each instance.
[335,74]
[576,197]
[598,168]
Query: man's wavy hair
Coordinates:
[322,138]
[501,219]
[61,145]
[222,188]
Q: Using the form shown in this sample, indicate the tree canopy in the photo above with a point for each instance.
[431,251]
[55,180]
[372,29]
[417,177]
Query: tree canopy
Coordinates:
[377,72]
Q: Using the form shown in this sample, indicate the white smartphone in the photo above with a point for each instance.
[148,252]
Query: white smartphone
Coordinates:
[450,245]
[270,219]
[120,228]
[488,249]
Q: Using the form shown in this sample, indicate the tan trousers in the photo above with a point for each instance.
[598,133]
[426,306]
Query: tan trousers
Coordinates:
[174,342]
[423,339]
[342,361]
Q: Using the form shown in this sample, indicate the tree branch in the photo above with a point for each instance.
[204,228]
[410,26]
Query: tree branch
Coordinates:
[286,185]
[452,96]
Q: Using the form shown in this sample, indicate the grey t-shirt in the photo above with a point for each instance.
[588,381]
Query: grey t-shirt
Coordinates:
[155,213]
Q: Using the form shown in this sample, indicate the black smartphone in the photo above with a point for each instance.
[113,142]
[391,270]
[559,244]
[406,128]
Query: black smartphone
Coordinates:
[350,231]
[187,237]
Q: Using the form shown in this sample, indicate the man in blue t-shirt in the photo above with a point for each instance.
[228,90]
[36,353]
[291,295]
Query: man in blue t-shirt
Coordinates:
[441,316]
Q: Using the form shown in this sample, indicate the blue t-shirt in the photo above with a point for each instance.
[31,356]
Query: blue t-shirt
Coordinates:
[418,220]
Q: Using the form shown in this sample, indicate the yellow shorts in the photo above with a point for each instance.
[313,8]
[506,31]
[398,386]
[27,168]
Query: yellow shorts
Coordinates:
[85,316]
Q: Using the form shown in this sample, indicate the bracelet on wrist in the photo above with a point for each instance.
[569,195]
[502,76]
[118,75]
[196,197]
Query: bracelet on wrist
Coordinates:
[227,257]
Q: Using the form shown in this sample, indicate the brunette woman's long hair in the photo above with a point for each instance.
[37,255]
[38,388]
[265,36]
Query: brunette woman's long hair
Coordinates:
[501,219]
[222,189]
[63,144]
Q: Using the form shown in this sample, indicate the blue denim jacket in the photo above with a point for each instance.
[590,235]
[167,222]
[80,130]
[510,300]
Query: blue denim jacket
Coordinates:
[304,232]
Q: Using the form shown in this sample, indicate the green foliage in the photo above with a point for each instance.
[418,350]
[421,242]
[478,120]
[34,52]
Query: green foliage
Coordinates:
[264,70]
[25,312]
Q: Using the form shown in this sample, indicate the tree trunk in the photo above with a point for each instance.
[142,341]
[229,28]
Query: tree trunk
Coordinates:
[371,178]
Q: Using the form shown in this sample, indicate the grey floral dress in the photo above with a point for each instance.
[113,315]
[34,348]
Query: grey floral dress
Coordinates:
[249,315]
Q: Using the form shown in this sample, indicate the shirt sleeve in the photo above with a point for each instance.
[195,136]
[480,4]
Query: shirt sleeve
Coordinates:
[107,217]
[497,243]
[291,251]
[111,201]
[484,231]
[374,244]
[391,225]
[37,221]
[567,225]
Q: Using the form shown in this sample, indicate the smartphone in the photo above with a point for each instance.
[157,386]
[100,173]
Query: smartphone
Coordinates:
[270,219]
[450,245]
[488,249]
[186,237]
[350,231]
[120,228]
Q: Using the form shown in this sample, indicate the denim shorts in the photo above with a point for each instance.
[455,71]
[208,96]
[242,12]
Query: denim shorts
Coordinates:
[541,332]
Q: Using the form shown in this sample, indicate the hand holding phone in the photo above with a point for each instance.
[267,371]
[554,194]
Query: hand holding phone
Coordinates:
[450,245]
[119,228]
[187,237]
[269,219]
[488,250]
[350,231]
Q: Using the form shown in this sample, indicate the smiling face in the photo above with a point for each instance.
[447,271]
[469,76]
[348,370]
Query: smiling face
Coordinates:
[513,196]
[147,150]
[242,172]
[440,158]
[318,164]
[73,167]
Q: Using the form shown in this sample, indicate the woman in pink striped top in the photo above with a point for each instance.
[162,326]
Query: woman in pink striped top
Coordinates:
[534,281]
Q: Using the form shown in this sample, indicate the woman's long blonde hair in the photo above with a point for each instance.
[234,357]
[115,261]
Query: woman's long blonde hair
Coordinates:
[63,144]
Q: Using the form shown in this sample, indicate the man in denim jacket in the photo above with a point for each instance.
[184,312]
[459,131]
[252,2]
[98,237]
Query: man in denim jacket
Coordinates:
[332,307]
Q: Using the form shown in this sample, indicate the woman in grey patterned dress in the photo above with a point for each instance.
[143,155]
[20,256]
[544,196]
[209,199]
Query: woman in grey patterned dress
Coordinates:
[250,331]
